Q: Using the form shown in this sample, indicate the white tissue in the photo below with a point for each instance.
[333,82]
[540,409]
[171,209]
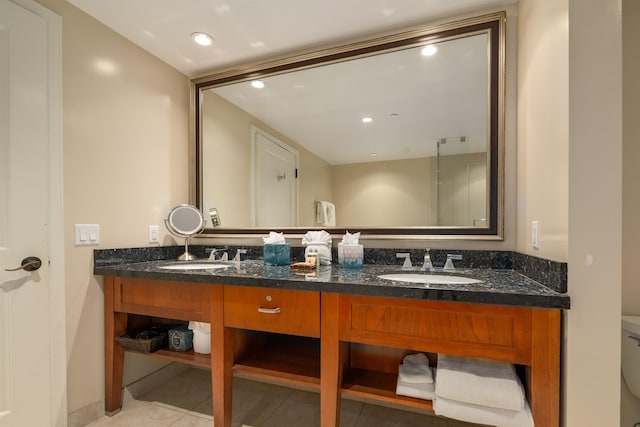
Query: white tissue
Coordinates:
[274,238]
[318,242]
[351,238]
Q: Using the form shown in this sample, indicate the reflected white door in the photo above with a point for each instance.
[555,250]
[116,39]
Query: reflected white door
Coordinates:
[25,322]
[276,195]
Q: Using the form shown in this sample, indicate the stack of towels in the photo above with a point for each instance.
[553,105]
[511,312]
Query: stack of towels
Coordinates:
[480,391]
[415,377]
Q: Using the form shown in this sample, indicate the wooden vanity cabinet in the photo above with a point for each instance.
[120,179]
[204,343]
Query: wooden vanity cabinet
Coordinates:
[520,335]
[344,344]
[155,298]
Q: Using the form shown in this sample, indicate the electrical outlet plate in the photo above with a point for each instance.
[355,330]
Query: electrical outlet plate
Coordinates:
[154,234]
[535,234]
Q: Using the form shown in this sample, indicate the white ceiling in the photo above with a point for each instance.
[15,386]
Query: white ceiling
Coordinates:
[247,30]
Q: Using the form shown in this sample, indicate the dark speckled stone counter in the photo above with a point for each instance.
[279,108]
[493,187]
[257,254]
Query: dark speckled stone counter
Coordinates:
[498,286]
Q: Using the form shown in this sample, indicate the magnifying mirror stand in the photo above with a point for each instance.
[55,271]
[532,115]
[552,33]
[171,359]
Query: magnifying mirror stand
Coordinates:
[186,256]
[185,221]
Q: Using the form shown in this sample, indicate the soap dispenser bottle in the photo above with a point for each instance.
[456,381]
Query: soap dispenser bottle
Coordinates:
[427,265]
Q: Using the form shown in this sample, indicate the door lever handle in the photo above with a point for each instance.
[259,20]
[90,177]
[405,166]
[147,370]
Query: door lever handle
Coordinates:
[30,263]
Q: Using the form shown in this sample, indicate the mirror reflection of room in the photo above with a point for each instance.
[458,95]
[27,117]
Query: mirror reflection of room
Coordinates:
[398,139]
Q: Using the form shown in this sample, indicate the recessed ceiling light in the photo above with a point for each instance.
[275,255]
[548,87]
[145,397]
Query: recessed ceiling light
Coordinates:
[258,84]
[373,154]
[429,50]
[202,39]
[367,120]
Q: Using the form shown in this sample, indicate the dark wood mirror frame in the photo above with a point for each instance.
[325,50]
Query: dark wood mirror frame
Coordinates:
[493,24]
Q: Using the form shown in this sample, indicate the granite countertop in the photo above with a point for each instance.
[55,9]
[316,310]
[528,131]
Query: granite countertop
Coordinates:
[504,287]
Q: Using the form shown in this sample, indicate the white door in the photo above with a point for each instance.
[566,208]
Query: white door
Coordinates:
[27,128]
[276,195]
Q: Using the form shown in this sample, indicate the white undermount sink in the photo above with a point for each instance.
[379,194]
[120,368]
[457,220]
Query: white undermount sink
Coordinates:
[194,266]
[436,279]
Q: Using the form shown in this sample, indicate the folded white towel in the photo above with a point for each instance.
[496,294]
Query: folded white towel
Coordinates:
[479,382]
[415,373]
[483,414]
[417,358]
[419,391]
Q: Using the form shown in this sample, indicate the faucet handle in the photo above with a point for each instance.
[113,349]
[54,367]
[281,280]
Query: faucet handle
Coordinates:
[407,259]
[239,255]
[449,264]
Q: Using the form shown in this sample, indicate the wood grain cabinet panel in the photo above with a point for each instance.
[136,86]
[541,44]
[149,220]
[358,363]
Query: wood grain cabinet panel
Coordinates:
[475,330]
[162,298]
[272,310]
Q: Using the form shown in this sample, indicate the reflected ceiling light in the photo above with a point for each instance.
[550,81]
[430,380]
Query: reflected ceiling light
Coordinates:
[367,120]
[373,154]
[258,84]
[202,39]
[429,50]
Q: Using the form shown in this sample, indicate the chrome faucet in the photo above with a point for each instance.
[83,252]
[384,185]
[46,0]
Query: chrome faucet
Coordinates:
[407,259]
[427,265]
[223,257]
[449,264]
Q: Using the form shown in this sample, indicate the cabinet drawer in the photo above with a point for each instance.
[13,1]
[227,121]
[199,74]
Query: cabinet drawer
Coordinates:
[497,332]
[162,298]
[272,310]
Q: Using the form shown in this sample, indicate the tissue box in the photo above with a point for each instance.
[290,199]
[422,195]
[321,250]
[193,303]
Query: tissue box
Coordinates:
[277,254]
[350,256]
[180,338]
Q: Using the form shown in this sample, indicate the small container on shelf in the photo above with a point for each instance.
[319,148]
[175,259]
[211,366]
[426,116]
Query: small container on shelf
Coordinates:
[146,341]
[180,338]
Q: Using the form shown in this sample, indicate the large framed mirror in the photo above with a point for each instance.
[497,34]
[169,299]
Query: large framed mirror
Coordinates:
[400,135]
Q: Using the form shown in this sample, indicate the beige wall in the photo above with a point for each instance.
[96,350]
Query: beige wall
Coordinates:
[569,150]
[543,121]
[631,177]
[595,243]
[125,164]
[403,192]
[227,144]
[384,193]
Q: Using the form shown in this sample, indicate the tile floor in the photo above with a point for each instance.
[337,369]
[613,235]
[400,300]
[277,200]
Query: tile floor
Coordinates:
[185,401]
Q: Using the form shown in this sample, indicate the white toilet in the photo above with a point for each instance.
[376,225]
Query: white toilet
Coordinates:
[631,353]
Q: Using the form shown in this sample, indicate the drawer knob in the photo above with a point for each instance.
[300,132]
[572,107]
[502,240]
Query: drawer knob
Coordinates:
[275,310]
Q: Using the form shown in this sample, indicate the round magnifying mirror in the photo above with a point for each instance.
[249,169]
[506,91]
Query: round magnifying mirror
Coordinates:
[185,221]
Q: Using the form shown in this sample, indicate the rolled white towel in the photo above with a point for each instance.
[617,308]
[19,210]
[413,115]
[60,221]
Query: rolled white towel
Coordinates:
[419,391]
[479,382]
[483,414]
[415,373]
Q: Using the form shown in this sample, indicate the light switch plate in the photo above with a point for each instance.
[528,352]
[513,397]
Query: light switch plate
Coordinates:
[87,234]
